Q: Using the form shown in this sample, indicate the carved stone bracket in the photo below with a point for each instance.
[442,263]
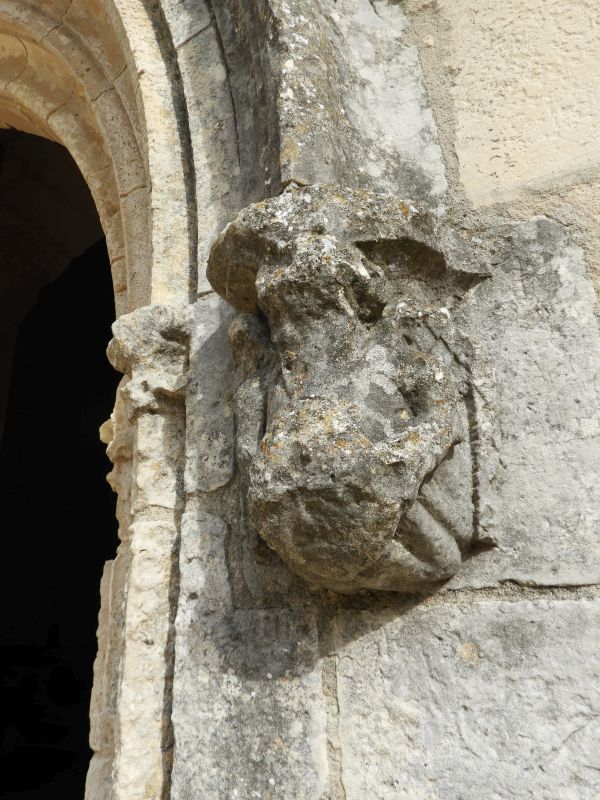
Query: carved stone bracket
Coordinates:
[357,417]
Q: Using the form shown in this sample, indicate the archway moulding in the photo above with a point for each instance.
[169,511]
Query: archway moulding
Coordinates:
[98,77]
[90,75]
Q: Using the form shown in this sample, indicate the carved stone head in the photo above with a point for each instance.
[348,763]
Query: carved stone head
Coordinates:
[355,401]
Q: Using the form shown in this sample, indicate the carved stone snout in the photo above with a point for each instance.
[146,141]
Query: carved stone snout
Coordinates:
[352,386]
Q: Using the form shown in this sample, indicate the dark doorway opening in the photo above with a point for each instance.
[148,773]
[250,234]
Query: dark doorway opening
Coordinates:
[58,530]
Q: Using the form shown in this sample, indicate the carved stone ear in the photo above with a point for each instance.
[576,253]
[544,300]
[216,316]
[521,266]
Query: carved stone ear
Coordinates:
[436,276]
[357,424]
[385,229]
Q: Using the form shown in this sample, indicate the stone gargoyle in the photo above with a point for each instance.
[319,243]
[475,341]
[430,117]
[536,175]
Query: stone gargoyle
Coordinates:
[356,417]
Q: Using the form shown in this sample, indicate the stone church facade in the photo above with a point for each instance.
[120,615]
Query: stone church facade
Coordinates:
[354,248]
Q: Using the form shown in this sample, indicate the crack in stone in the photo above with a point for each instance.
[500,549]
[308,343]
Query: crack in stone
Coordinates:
[374,7]
[192,36]
[221,46]
[329,682]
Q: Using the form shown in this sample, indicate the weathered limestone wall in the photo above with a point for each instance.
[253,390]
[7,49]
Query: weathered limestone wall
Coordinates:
[101,78]
[430,171]
[487,686]
[514,93]
[506,83]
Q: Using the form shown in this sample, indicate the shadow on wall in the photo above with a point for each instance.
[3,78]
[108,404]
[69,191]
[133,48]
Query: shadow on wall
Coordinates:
[59,529]
[268,603]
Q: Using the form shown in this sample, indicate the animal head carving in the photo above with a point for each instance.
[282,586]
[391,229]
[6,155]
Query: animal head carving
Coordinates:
[353,420]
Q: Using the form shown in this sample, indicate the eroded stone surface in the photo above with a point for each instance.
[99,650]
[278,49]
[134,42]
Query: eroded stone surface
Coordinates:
[209,403]
[488,699]
[363,389]
[248,713]
[132,729]
[394,142]
[482,700]
[341,100]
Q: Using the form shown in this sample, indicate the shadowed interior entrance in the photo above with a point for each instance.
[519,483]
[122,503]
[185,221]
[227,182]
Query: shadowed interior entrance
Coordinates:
[58,510]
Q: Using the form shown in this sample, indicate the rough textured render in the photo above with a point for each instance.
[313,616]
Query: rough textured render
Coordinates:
[515,129]
[354,247]
[360,410]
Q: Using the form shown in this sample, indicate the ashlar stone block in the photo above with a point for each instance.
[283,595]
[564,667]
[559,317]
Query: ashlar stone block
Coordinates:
[495,700]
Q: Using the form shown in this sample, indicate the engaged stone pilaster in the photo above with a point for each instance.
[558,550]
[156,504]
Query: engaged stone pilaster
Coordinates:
[357,428]
[150,346]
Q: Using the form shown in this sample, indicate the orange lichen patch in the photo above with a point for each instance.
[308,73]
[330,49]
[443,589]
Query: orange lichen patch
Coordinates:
[53,8]
[289,150]
[469,652]
[13,115]
[269,448]
[45,84]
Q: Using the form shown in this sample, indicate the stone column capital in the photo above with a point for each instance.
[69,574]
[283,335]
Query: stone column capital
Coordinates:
[150,345]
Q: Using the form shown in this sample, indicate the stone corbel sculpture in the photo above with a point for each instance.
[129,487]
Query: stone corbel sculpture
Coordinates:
[356,419]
